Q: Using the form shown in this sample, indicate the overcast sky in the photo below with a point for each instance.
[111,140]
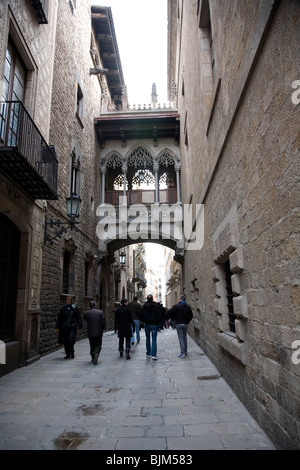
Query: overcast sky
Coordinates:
[141,30]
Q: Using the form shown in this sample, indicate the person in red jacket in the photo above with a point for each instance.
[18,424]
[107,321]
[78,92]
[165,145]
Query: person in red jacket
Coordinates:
[182,315]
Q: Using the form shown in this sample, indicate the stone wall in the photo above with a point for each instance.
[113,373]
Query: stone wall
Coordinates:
[240,157]
[74,138]
[35,45]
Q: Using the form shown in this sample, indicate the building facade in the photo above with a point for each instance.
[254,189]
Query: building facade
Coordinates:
[28,173]
[235,66]
[230,143]
[69,136]
[173,280]
[55,79]
[70,264]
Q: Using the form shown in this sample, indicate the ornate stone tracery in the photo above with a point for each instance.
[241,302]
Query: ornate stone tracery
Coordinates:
[114,160]
[140,157]
[138,168]
[166,158]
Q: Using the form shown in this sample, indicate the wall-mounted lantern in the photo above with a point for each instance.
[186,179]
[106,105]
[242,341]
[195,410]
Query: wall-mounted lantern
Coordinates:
[73,208]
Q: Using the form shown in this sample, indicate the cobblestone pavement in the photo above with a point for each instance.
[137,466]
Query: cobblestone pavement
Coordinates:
[118,404]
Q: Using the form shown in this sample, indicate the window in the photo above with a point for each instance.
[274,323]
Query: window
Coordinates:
[14,75]
[212,53]
[230,303]
[72,5]
[68,272]
[206,36]
[92,207]
[41,10]
[75,175]
[230,296]
[79,103]
[186,140]
[88,276]
[13,90]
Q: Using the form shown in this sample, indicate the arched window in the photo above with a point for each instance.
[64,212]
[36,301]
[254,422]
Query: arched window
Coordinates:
[140,157]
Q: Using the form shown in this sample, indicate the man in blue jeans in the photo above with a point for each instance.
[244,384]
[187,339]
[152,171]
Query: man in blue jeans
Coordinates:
[151,316]
[182,315]
[135,308]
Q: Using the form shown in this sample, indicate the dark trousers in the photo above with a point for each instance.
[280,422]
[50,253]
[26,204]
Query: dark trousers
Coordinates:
[69,349]
[151,339]
[121,343]
[95,346]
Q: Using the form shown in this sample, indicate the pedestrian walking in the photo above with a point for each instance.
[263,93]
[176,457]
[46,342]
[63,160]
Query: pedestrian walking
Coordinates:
[181,314]
[162,316]
[96,323]
[123,324]
[135,308]
[68,321]
[151,316]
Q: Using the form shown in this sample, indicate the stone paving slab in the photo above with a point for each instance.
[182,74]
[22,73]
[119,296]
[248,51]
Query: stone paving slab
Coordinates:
[170,404]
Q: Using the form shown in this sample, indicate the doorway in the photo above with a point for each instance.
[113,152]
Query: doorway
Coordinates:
[10,238]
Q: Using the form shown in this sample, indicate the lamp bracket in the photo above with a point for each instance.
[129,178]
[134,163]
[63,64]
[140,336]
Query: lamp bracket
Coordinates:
[71,225]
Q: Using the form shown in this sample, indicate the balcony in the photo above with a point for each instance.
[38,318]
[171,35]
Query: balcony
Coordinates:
[143,196]
[139,278]
[25,157]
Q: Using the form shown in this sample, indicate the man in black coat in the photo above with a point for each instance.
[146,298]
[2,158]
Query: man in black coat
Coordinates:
[67,322]
[123,324]
[151,316]
[182,315]
[135,308]
[96,323]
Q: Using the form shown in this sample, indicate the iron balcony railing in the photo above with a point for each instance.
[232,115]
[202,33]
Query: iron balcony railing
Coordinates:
[139,278]
[24,154]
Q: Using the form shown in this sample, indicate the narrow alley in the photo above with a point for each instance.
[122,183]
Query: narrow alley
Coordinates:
[164,405]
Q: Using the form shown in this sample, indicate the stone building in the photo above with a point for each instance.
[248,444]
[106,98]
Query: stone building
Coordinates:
[173,280]
[229,143]
[55,79]
[139,271]
[28,171]
[70,262]
[235,67]
[129,267]
[69,136]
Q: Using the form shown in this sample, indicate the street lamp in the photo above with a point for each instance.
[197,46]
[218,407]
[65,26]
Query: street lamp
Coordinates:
[122,259]
[73,208]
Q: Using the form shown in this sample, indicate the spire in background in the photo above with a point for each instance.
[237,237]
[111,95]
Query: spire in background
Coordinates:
[154,96]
